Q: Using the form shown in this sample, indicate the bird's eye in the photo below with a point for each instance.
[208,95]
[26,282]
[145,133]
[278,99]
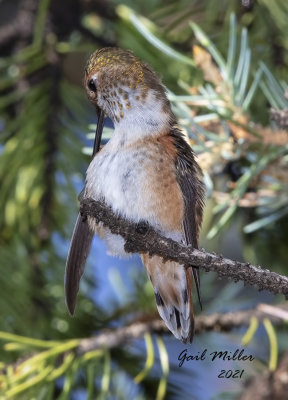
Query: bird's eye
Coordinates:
[91,85]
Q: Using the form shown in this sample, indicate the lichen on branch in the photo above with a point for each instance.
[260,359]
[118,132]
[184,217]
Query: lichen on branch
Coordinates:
[143,238]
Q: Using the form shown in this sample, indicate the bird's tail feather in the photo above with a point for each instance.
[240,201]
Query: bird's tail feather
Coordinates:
[173,292]
[76,260]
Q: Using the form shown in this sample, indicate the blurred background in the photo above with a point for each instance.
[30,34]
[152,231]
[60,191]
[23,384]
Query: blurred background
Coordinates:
[225,67]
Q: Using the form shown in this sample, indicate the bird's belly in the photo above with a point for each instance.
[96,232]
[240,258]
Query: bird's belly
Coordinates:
[114,178]
[124,181]
[114,243]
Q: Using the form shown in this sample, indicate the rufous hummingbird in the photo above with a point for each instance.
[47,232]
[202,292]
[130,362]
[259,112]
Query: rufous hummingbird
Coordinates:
[146,172]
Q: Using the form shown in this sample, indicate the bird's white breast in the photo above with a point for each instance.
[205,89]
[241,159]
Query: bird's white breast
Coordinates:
[115,177]
[124,178]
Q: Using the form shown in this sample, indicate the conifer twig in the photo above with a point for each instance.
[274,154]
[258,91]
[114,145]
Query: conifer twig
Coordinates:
[217,322]
[142,238]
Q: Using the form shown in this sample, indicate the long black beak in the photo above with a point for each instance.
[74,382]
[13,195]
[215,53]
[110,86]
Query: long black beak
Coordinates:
[99,130]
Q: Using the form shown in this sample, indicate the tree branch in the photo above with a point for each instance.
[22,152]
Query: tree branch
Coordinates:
[142,238]
[203,323]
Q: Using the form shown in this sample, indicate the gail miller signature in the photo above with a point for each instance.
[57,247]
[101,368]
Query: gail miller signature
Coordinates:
[237,355]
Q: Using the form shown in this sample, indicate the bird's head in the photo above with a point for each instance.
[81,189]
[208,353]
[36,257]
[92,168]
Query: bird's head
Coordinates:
[126,90]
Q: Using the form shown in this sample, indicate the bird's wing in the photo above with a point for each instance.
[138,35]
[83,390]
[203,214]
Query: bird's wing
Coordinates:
[172,284]
[76,260]
[81,239]
[189,174]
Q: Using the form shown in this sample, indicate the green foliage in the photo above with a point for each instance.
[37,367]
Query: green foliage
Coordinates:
[220,103]
[46,361]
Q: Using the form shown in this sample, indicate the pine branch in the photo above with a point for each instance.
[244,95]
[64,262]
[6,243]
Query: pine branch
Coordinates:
[113,338]
[142,238]
[215,322]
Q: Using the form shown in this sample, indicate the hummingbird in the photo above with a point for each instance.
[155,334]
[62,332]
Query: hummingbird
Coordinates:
[146,172]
